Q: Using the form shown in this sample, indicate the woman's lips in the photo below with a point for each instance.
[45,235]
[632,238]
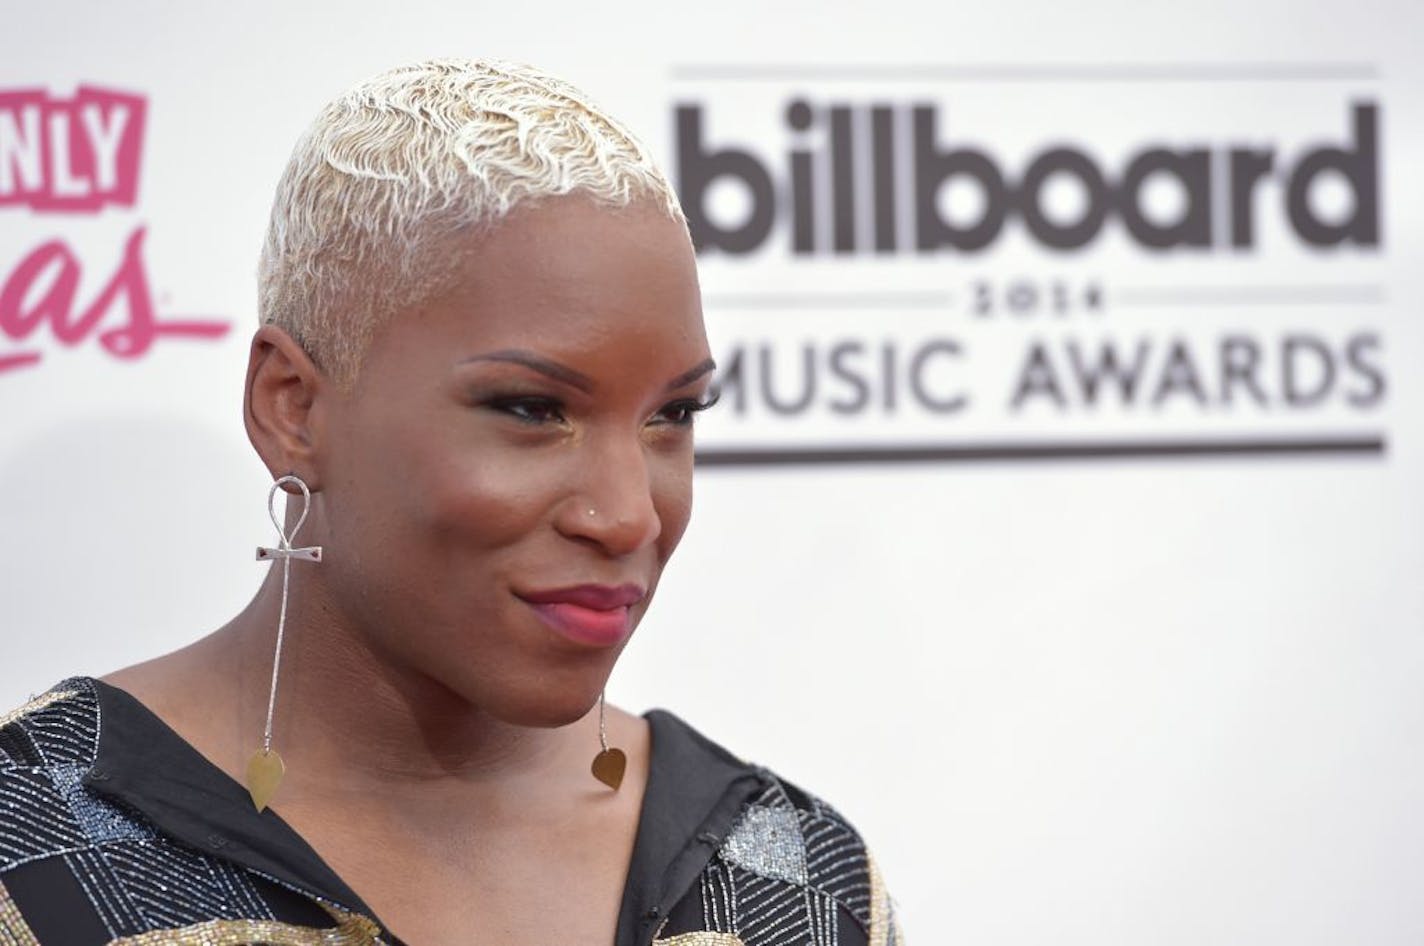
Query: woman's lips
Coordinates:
[585,625]
[589,614]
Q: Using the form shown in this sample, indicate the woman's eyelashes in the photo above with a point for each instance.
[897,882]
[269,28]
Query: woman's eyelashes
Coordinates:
[681,412]
[535,410]
[529,410]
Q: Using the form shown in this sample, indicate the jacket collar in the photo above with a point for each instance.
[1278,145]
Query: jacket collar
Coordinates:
[695,791]
[142,763]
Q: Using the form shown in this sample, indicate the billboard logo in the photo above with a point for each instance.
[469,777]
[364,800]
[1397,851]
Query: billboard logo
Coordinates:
[1078,282]
[833,140]
[79,155]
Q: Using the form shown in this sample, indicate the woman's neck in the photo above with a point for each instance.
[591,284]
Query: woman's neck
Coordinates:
[348,719]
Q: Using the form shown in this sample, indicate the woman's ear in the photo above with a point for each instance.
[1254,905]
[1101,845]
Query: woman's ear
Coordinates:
[282,406]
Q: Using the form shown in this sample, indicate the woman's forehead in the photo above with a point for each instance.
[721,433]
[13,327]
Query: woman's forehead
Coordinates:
[575,258]
[567,278]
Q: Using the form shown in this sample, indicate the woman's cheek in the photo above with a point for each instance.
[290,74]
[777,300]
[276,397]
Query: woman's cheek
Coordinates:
[496,496]
[672,497]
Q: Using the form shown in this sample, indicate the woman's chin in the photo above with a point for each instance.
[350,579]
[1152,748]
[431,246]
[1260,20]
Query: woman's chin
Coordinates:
[544,713]
[547,703]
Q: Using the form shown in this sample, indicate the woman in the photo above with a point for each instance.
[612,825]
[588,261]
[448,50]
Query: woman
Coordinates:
[481,353]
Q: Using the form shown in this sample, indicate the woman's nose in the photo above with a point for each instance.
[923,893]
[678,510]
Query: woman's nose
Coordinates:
[614,508]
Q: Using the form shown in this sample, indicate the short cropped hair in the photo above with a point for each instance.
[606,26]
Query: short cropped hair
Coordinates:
[414,154]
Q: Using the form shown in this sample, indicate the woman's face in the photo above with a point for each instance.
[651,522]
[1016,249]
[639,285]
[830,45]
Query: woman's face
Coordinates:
[513,469]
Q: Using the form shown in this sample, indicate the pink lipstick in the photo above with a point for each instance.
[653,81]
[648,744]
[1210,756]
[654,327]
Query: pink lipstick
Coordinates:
[597,615]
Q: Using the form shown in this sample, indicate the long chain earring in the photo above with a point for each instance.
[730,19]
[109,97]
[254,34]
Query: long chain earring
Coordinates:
[266,768]
[610,764]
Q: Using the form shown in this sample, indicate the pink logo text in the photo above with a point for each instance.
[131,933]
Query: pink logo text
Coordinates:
[74,154]
[43,290]
[78,155]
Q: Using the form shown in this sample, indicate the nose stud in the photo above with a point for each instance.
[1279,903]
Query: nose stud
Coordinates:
[591,511]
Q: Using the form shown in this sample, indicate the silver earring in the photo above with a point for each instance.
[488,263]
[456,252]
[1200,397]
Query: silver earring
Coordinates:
[610,764]
[266,768]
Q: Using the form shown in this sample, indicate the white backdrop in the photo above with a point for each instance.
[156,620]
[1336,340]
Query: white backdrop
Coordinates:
[1127,667]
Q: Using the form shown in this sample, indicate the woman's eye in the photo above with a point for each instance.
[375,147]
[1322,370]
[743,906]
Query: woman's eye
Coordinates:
[682,412]
[530,410]
[679,413]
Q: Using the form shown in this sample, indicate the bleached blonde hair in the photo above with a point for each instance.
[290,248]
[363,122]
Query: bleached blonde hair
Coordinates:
[410,156]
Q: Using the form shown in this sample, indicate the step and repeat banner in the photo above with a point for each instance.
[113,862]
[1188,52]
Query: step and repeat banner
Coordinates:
[1061,519]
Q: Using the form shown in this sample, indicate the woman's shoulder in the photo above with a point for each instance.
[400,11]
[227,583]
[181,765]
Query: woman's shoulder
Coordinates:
[48,749]
[59,727]
[83,854]
[782,857]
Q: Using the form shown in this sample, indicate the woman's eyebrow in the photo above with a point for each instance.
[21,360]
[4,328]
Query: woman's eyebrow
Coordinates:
[577,379]
[538,363]
[687,377]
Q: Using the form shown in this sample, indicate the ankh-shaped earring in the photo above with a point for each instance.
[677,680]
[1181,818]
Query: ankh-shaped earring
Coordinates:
[266,768]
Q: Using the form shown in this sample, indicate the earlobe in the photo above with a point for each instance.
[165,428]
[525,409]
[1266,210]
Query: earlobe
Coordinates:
[280,400]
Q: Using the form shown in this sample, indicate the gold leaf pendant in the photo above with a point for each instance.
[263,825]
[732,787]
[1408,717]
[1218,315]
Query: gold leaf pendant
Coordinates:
[609,766]
[264,773]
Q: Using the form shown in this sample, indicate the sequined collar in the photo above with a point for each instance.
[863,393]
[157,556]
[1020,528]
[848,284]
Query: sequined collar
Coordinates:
[695,791]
